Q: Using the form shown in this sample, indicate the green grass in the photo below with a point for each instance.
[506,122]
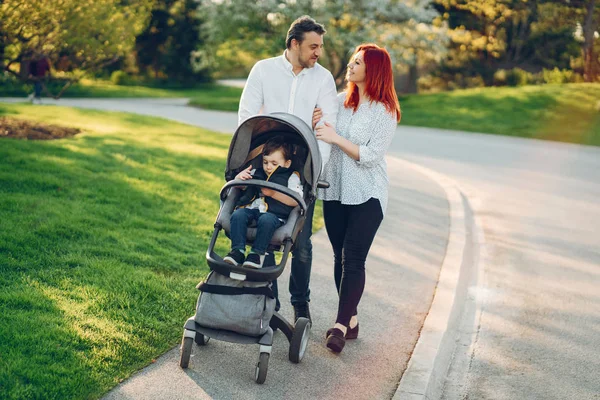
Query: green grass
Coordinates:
[102,241]
[209,96]
[564,113]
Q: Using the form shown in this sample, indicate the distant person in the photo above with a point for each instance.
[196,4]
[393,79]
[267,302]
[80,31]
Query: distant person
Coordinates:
[356,200]
[39,67]
[267,207]
[295,83]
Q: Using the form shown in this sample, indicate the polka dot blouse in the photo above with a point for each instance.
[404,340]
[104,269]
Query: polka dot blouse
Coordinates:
[353,182]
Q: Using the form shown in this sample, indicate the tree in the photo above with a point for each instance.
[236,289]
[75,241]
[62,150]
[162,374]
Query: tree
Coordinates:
[91,33]
[253,30]
[488,35]
[167,44]
[416,46]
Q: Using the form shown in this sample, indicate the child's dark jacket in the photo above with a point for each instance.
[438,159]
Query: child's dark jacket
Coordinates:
[280,176]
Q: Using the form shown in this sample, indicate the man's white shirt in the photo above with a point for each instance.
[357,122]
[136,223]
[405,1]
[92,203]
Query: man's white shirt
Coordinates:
[272,86]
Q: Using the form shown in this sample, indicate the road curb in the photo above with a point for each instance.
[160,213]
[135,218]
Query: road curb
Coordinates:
[428,366]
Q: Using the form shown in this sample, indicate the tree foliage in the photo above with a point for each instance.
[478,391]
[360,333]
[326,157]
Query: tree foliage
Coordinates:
[168,44]
[89,33]
[241,32]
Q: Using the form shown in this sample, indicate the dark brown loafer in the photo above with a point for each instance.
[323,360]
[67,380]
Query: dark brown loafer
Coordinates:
[352,333]
[335,341]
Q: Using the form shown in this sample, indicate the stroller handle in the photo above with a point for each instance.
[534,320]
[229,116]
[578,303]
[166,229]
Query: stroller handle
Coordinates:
[265,184]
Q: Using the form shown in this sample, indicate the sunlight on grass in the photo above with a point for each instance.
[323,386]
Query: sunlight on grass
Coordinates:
[102,241]
[555,112]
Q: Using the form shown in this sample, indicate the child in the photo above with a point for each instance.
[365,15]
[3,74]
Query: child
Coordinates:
[268,207]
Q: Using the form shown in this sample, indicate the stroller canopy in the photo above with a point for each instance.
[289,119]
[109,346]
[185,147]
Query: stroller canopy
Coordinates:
[256,130]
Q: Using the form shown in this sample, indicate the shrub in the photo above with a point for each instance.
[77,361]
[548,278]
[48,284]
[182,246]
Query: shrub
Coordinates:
[11,86]
[558,76]
[500,77]
[120,78]
[518,77]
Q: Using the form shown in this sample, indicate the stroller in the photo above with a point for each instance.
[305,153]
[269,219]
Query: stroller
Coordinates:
[246,149]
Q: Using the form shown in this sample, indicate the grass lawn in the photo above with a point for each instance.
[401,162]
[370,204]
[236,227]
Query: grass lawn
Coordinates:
[209,96]
[102,241]
[565,113]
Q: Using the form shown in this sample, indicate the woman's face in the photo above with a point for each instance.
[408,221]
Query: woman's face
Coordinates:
[357,70]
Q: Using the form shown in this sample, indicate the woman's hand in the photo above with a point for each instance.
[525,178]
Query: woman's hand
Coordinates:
[317,115]
[327,133]
[245,174]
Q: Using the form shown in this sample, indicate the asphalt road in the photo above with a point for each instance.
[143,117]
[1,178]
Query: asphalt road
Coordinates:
[538,335]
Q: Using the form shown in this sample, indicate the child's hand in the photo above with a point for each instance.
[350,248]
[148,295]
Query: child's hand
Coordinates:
[267,192]
[245,174]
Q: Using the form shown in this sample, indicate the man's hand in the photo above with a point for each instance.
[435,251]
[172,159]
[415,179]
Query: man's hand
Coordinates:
[317,115]
[245,174]
[267,192]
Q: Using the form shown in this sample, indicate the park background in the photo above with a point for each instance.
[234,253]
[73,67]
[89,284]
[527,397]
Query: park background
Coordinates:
[102,234]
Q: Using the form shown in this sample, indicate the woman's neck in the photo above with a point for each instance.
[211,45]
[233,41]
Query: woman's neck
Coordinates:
[362,94]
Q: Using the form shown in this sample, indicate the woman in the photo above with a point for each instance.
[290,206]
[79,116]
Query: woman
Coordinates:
[356,200]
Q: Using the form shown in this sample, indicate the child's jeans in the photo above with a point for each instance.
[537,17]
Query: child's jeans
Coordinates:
[267,223]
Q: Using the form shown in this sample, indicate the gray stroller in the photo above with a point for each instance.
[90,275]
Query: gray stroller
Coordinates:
[246,149]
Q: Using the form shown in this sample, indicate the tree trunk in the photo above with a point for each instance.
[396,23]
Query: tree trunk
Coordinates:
[589,27]
[413,76]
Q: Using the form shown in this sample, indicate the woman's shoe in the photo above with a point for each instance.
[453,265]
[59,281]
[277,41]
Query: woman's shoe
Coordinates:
[335,340]
[351,333]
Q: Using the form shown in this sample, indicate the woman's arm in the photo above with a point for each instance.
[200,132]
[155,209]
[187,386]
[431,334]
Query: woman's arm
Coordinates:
[383,126]
[328,134]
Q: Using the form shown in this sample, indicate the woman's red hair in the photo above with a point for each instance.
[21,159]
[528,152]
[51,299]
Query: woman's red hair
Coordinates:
[379,80]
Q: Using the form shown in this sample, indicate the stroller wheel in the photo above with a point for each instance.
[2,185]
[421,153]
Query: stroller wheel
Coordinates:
[299,340]
[260,374]
[201,340]
[186,352]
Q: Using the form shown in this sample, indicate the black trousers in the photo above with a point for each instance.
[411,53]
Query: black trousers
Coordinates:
[351,230]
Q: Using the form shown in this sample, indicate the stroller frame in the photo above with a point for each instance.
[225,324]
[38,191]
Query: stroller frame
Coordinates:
[284,237]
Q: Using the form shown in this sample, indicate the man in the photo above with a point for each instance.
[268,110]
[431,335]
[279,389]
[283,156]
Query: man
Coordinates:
[295,83]
[38,68]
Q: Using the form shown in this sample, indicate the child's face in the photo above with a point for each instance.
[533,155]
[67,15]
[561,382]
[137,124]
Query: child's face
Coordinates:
[274,160]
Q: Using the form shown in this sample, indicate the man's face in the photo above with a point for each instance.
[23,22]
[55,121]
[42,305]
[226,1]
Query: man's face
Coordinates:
[309,51]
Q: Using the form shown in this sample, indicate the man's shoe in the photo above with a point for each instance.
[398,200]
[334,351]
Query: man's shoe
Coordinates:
[254,261]
[235,257]
[301,310]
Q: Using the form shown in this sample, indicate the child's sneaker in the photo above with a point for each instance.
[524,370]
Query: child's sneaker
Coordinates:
[234,257]
[254,261]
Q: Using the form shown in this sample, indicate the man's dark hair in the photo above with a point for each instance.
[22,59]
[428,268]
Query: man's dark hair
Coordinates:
[278,143]
[301,26]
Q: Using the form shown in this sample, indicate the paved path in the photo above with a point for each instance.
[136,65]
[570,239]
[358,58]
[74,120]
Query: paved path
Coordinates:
[402,272]
[535,333]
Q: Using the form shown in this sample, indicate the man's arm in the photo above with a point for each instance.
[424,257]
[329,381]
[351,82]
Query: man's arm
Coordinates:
[328,103]
[252,96]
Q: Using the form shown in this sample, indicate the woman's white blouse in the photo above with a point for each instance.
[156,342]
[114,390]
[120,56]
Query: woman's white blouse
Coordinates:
[353,182]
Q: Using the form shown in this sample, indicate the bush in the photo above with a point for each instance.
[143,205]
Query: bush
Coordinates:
[11,86]
[120,78]
[500,77]
[518,77]
[558,76]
